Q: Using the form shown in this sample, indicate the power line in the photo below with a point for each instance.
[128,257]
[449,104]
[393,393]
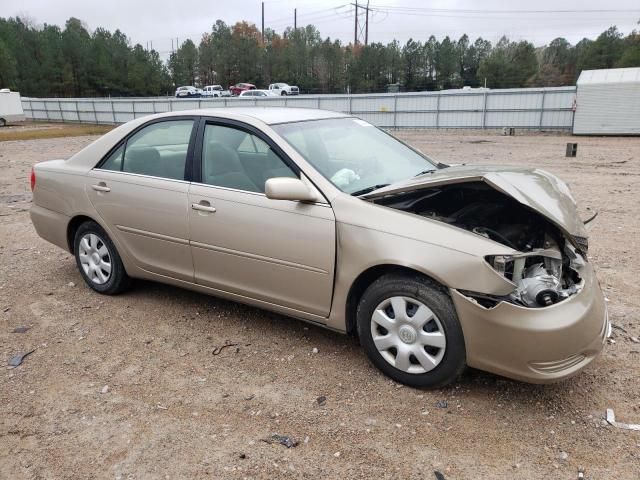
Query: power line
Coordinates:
[323,12]
[494,12]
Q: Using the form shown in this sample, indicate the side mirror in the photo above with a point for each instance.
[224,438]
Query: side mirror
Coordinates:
[285,188]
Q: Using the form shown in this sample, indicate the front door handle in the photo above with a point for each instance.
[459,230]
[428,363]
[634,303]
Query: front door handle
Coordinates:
[101,187]
[203,206]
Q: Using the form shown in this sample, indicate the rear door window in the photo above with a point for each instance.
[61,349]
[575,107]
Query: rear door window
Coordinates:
[158,150]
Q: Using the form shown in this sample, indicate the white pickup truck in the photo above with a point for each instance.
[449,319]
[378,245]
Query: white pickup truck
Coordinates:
[10,107]
[284,89]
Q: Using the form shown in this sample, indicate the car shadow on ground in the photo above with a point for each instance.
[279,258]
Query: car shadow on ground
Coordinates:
[286,329]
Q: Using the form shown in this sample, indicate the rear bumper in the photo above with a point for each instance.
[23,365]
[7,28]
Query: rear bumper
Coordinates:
[50,225]
[537,345]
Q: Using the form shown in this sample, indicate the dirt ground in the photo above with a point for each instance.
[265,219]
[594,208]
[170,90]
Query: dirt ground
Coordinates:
[128,386]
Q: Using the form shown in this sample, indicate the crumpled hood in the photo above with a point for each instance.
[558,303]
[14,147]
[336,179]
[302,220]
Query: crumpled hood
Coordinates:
[534,188]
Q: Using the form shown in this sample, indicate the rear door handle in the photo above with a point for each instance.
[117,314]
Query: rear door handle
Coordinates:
[101,187]
[203,206]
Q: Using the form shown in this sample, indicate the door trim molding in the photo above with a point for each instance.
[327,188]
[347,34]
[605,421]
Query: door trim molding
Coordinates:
[157,236]
[261,258]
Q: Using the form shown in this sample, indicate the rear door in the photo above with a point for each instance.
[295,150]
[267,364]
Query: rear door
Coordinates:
[141,192]
[278,251]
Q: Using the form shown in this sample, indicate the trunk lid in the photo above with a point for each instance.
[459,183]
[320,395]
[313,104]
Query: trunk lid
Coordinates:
[534,188]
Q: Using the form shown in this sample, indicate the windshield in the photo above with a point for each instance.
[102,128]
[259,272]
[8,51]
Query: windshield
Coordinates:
[353,154]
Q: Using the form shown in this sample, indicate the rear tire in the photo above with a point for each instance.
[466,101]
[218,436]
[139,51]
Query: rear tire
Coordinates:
[98,260]
[409,329]
[3,122]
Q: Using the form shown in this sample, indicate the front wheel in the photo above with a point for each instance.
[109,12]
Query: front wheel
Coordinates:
[98,260]
[409,329]
[284,94]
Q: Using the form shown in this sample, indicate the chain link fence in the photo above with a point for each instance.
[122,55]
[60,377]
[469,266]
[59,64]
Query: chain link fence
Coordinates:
[530,108]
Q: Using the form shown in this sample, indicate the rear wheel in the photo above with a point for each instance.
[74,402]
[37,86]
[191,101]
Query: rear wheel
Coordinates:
[409,329]
[98,260]
[3,122]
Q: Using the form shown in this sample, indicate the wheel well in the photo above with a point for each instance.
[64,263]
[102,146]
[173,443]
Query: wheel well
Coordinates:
[72,228]
[369,276]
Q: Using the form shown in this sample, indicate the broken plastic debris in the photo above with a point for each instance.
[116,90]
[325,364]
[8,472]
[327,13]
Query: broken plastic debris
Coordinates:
[611,420]
[17,360]
[288,442]
[20,329]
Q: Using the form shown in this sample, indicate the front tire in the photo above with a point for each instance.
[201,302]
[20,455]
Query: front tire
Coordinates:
[284,94]
[409,329]
[98,260]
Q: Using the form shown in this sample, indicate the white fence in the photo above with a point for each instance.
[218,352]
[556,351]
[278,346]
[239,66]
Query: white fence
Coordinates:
[532,108]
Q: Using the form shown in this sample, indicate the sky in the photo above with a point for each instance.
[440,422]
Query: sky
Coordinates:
[160,22]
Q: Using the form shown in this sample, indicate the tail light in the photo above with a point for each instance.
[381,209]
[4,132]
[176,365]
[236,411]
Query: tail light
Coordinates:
[32,180]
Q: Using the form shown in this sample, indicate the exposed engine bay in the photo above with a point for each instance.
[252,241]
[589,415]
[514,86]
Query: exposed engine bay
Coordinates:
[546,268]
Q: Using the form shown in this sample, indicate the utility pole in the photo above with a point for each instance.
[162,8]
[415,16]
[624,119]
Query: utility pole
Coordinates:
[366,31]
[295,18]
[263,23]
[355,27]
[358,30]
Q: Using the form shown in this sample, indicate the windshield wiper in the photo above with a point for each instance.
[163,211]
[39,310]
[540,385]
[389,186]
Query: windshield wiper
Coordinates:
[370,189]
[424,172]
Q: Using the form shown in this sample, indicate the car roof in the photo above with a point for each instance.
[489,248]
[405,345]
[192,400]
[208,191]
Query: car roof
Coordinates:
[270,115]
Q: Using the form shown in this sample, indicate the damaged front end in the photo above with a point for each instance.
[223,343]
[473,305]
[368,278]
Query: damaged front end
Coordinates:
[546,265]
[542,276]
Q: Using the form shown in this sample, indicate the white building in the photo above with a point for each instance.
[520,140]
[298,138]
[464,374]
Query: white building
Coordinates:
[608,102]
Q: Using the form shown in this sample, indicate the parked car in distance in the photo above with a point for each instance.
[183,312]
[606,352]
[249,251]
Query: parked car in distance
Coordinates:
[10,107]
[284,89]
[257,93]
[187,92]
[321,216]
[215,91]
[238,88]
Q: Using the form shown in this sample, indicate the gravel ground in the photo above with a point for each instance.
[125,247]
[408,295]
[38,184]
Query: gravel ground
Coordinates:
[128,386]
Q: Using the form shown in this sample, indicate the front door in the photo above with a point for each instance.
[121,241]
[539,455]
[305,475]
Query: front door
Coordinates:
[278,251]
[141,193]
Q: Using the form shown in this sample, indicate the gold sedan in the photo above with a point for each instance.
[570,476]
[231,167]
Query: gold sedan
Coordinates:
[323,217]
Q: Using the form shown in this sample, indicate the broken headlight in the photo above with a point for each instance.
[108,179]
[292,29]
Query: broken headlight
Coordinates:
[540,277]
